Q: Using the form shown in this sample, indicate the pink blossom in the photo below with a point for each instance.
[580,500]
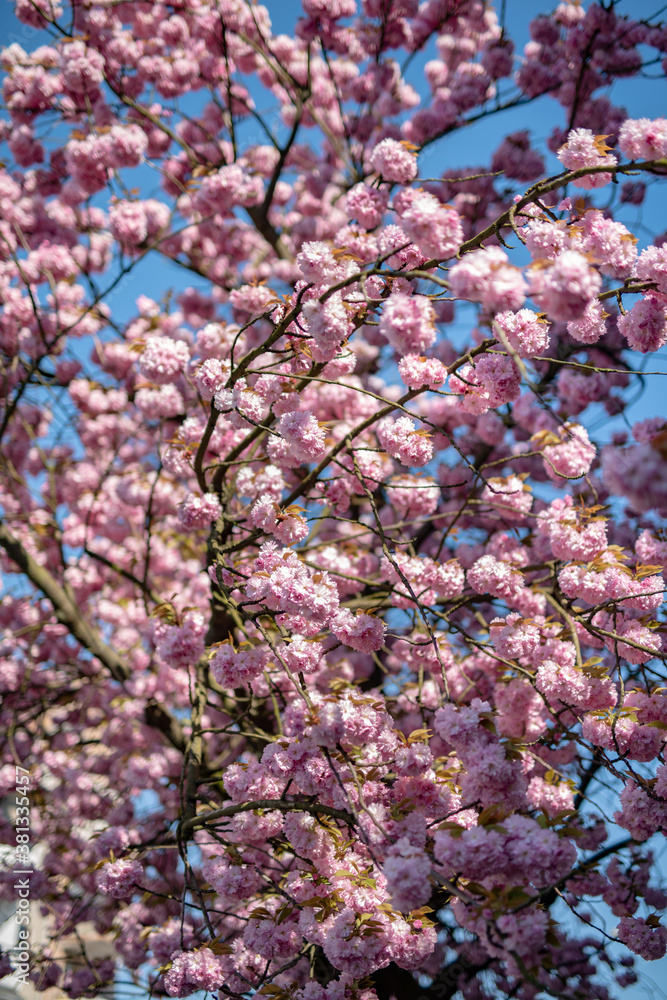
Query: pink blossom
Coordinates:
[513,638]
[411,496]
[652,266]
[413,760]
[231,185]
[643,138]
[82,68]
[317,262]
[566,288]
[651,550]
[302,655]
[645,325]
[118,878]
[210,377]
[124,146]
[38,13]
[366,204]
[329,324]
[231,878]
[408,322]
[417,371]
[128,223]
[272,938]
[394,161]
[583,149]
[516,158]
[486,276]
[199,511]
[545,239]
[407,871]
[526,332]
[638,473]
[363,632]
[550,797]
[435,228]
[610,245]
[159,402]
[490,777]
[572,457]
[508,497]
[407,255]
[572,687]
[497,59]
[426,579]
[232,668]
[335,9]
[349,719]
[522,934]
[193,971]
[402,441]
[353,953]
[180,645]
[489,382]
[411,943]
[251,301]
[640,815]
[645,939]
[163,359]
[302,436]
[268,515]
[490,575]
[640,636]
[591,326]
[623,735]
[282,582]
[571,535]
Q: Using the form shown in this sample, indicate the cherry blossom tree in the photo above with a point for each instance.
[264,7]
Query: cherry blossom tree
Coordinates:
[330,634]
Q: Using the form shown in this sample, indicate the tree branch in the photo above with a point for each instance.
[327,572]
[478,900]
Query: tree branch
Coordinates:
[281,805]
[69,615]
[65,610]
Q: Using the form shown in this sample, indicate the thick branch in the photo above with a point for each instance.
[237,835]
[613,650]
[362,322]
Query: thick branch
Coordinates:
[265,229]
[69,615]
[544,187]
[65,610]
[282,805]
